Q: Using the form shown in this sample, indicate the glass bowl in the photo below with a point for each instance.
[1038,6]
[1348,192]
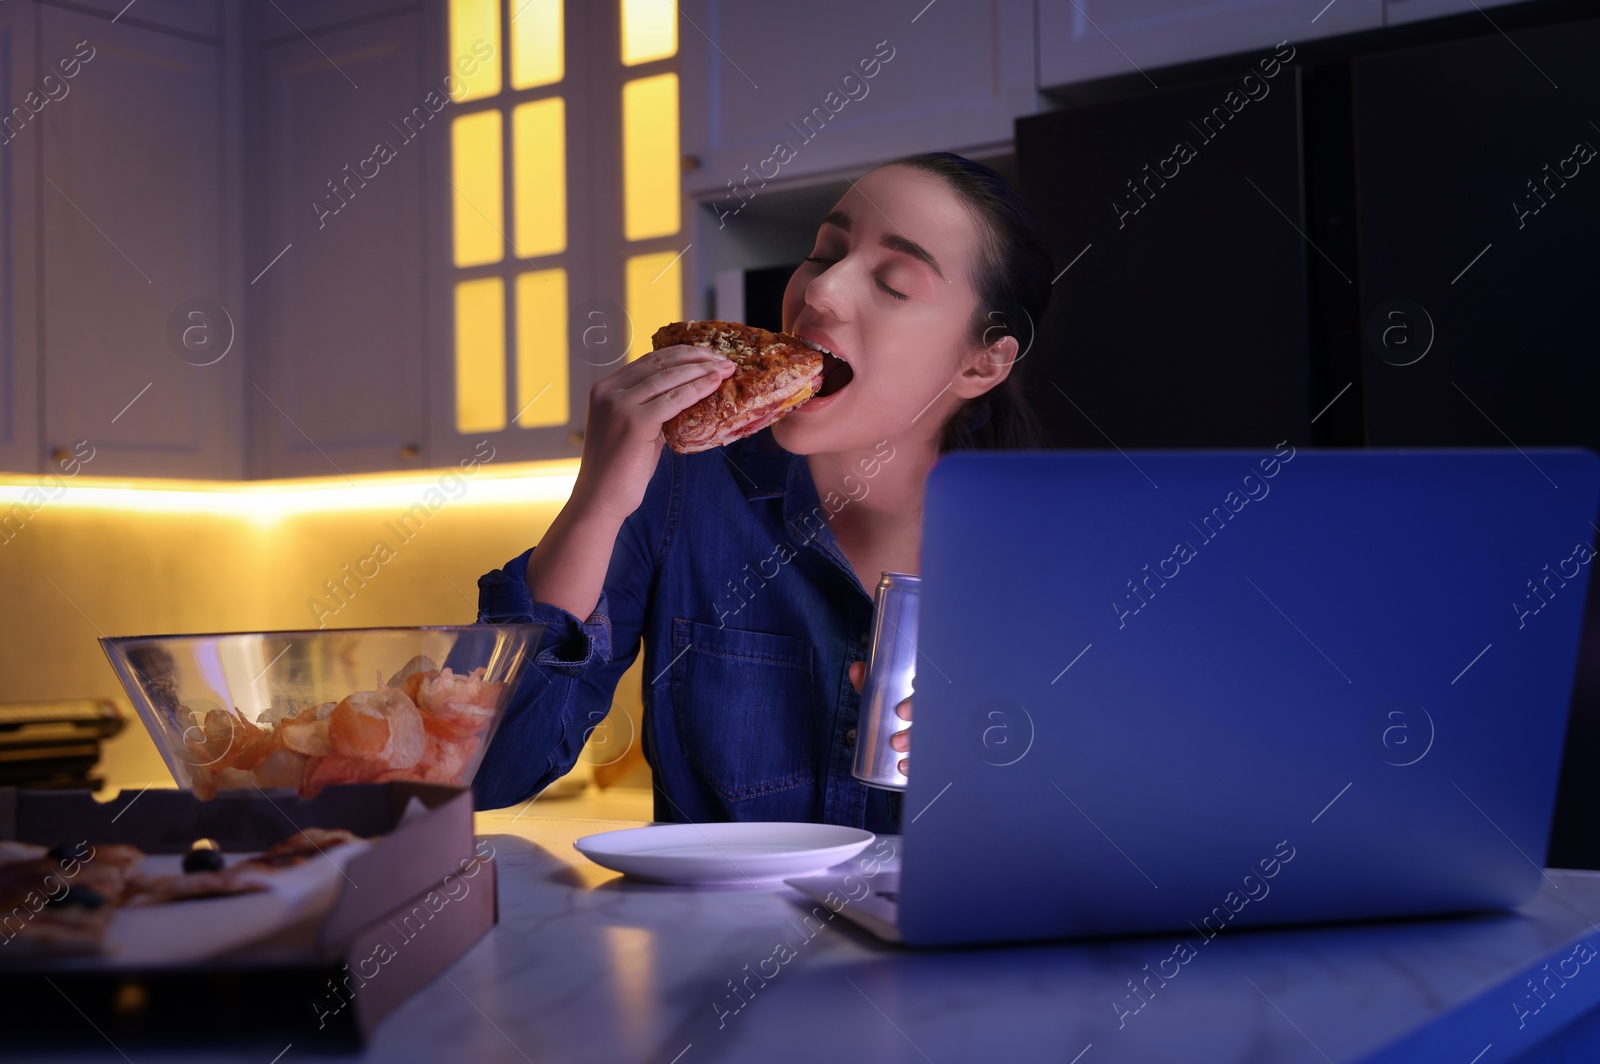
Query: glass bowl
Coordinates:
[300,710]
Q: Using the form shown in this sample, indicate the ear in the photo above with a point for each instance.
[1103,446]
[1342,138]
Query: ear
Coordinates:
[985,367]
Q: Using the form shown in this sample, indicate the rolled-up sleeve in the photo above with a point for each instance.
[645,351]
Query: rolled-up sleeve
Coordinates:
[567,688]
[566,643]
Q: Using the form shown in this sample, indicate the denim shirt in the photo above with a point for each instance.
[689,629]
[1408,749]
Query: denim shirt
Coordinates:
[750,617]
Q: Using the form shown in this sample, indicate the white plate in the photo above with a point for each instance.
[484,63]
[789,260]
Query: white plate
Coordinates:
[736,854]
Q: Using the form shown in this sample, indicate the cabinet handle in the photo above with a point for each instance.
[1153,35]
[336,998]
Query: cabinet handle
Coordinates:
[691,163]
[575,437]
[59,455]
[410,450]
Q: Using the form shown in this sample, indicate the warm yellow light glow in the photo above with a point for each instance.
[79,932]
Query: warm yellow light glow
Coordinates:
[539,158]
[632,964]
[655,296]
[536,45]
[650,157]
[271,501]
[542,349]
[481,355]
[649,30]
[478,209]
[474,48]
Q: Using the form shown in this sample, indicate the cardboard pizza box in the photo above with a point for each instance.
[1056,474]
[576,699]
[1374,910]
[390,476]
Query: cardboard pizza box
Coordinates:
[320,973]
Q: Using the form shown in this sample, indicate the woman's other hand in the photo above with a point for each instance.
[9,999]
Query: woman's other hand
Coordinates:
[622,441]
[901,740]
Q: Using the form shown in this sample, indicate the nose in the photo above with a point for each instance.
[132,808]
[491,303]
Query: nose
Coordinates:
[828,292]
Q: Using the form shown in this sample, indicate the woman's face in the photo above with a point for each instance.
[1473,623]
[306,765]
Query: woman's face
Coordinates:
[887,289]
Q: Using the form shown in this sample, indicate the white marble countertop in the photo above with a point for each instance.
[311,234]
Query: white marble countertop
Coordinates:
[587,966]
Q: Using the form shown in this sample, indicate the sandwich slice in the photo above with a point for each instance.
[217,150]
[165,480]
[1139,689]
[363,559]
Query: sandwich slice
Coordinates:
[776,373]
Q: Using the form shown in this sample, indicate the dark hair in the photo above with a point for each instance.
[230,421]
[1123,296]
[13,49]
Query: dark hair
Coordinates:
[1013,285]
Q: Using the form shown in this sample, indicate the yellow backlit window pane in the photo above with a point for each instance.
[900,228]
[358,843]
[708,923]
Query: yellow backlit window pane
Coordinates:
[650,157]
[655,296]
[536,47]
[542,349]
[474,49]
[475,166]
[649,30]
[539,163]
[481,355]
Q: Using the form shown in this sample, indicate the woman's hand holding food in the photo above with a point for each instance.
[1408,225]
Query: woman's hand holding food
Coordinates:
[901,740]
[622,441]
[621,446]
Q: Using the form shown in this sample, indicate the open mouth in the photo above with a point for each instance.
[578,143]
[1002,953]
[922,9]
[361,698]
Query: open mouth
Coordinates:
[836,372]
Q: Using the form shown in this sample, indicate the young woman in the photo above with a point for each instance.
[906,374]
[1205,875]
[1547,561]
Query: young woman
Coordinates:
[748,572]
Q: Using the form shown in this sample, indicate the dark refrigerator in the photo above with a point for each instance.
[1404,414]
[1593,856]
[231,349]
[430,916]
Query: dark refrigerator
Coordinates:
[1391,247]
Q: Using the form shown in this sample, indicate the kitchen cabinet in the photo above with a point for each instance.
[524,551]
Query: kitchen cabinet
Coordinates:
[1178,313]
[1081,40]
[134,197]
[294,17]
[199,18]
[182,173]
[840,85]
[1396,12]
[337,386]
[19,157]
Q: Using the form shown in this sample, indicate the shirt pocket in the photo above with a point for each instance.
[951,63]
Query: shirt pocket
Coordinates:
[743,707]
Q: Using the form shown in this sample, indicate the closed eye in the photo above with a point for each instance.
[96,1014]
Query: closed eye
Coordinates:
[829,262]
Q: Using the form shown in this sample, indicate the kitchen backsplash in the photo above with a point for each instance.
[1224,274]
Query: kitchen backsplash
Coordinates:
[107,558]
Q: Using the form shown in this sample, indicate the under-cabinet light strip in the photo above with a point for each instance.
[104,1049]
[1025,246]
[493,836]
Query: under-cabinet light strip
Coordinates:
[268,501]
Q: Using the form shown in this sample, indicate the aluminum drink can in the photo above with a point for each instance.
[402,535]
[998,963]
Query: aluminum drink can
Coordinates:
[891,667]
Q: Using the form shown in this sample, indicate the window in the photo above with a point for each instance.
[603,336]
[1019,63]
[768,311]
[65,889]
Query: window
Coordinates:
[513,219]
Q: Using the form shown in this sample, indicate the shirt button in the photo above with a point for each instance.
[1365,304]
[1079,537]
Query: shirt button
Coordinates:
[850,737]
[865,638]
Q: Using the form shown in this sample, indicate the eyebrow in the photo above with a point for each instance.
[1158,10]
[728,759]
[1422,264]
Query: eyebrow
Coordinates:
[892,241]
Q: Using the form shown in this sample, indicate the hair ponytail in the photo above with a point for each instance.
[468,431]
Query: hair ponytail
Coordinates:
[1013,286]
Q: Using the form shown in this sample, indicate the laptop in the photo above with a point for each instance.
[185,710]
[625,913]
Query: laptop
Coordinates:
[1195,691]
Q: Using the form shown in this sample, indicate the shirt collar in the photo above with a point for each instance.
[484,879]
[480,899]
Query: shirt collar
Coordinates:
[764,470]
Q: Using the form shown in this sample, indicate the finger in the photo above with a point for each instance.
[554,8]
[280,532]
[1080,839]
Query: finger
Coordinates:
[903,710]
[675,400]
[653,362]
[667,356]
[858,673]
[900,740]
[904,766]
[677,363]
[673,376]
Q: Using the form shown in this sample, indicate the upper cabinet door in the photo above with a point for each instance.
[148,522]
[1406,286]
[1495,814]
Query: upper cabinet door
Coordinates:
[349,116]
[139,358]
[1080,40]
[1474,283]
[200,17]
[1398,11]
[838,84]
[22,97]
[294,17]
